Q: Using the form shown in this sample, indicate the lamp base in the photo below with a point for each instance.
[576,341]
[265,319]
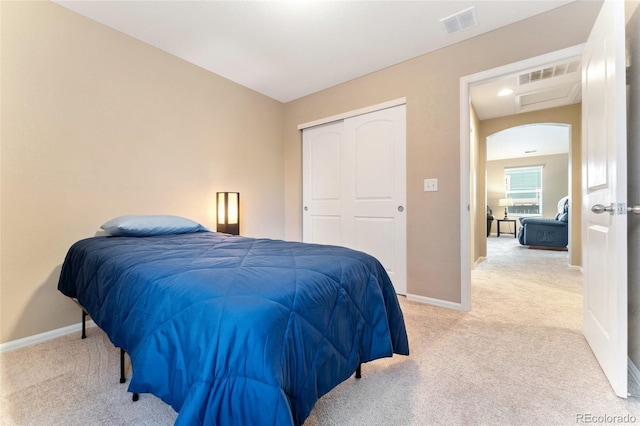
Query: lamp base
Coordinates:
[229,228]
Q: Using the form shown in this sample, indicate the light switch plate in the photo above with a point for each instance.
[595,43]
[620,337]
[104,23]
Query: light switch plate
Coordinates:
[430,185]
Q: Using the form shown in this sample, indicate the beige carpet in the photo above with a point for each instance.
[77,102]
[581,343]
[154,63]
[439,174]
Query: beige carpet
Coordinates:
[518,358]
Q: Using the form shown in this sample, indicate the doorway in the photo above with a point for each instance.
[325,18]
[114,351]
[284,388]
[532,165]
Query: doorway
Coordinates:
[472,183]
[604,264]
[535,157]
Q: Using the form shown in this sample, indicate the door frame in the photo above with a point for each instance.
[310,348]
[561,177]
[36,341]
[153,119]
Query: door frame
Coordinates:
[372,108]
[467,204]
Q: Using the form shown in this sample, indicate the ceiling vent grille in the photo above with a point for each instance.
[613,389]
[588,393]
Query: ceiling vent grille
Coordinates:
[460,21]
[549,72]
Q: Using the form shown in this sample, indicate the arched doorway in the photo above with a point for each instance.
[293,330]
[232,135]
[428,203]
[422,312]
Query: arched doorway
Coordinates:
[528,164]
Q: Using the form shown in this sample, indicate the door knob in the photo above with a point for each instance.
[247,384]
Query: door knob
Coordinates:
[634,209]
[599,209]
[400,209]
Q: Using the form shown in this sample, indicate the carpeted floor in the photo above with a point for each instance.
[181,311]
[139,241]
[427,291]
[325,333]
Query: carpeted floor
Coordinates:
[518,358]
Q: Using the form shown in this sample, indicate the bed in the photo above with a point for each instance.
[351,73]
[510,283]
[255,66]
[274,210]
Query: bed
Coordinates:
[235,330]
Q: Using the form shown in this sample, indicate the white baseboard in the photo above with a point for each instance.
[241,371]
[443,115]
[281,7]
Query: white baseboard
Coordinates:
[435,302]
[634,372]
[38,338]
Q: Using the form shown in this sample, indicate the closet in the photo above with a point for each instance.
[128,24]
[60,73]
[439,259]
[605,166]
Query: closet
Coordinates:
[354,186]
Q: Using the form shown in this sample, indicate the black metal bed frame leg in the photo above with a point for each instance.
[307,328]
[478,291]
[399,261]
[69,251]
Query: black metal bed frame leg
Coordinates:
[84,324]
[123,378]
[359,371]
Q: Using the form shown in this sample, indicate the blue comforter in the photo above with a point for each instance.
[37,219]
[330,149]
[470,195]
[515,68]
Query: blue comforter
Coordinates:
[234,330]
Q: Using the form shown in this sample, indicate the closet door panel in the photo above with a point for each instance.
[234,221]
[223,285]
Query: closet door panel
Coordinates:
[322,184]
[374,189]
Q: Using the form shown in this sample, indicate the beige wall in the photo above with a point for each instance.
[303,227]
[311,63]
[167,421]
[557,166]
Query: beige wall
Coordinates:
[431,85]
[571,115]
[555,182]
[96,124]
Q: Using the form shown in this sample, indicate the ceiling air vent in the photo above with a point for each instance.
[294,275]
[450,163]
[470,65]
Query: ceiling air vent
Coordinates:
[460,21]
[549,72]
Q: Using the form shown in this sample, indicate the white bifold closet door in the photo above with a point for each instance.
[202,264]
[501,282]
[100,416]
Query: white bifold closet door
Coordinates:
[354,187]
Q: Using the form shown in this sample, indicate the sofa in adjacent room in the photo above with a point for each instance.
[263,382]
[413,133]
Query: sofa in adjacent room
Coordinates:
[490,218]
[552,233]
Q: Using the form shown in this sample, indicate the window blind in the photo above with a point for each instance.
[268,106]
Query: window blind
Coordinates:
[524,186]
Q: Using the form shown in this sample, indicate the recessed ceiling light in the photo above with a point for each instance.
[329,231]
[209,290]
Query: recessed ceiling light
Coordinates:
[505,92]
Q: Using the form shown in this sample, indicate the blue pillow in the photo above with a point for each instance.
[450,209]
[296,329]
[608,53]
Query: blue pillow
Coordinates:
[149,225]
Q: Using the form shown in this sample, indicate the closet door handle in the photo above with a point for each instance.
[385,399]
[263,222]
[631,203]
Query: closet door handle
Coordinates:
[400,209]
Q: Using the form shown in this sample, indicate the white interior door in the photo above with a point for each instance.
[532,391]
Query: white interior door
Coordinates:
[604,228]
[375,191]
[354,187]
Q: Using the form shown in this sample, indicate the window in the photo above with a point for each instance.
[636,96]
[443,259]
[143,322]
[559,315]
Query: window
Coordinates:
[524,186]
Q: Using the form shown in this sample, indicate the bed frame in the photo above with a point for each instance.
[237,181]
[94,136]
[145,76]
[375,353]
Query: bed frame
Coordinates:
[123,377]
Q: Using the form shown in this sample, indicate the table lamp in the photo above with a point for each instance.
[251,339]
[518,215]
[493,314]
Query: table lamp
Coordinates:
[505,202]
[228,217]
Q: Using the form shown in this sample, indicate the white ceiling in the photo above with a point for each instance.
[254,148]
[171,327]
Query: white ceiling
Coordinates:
[290,49]
[529,141]
[544,86]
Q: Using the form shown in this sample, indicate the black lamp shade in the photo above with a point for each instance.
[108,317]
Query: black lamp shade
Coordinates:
[228,212]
